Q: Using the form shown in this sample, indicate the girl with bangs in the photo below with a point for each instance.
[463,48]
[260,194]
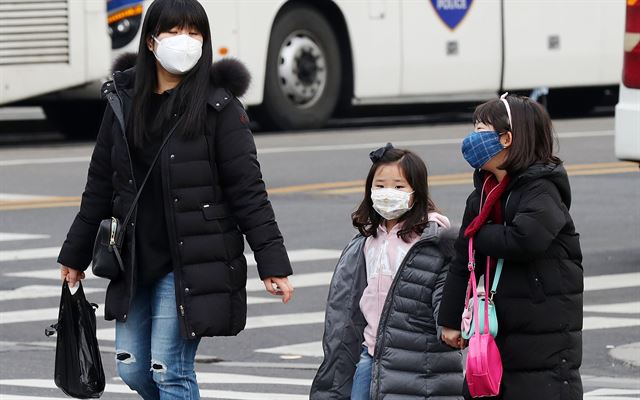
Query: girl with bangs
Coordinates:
[519,214]
[380,338]
[175,161]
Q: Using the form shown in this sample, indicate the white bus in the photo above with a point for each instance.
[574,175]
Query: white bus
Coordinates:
[627,143]
[309,58]
[52,46]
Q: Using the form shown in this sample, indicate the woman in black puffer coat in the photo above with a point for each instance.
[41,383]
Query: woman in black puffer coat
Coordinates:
[183,251]
[539,297]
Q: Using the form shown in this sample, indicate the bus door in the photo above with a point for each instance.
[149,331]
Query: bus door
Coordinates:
[451,47]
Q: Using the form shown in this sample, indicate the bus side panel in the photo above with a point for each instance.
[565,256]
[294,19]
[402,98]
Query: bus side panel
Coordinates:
[374,32]
[439,60]
[252,29]
[30,78]
[560,43]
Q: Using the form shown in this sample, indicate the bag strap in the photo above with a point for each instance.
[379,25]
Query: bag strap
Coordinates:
[496,277]
[146,178]
[476,301]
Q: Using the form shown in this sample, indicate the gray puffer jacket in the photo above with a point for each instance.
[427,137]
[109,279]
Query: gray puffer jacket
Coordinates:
[410,361]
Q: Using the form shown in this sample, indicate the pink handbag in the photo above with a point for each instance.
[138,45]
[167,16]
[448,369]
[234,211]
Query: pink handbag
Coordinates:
[484,365]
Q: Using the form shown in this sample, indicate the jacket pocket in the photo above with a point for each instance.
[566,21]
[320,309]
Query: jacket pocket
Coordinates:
[238,273]
[213,212]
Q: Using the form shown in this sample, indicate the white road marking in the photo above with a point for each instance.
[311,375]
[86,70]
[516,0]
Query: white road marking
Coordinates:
[123,389]
[611,281]
[613,394]
[46,314]
[297,149]
[37,314]
[405,143]
[298,281]
[7,237]
[310,349]
[30,397]
[20,197]
[37,292]
[51,274]
[52,160]
[591,323]
[302,255]
[267,321]
[210,377]
[29,254]
[632,307]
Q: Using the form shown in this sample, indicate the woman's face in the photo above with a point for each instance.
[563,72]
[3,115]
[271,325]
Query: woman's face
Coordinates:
[175,31]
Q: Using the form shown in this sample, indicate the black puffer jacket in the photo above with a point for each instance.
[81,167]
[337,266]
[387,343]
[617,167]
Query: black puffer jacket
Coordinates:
[539,299]
[410,361]
[213,193]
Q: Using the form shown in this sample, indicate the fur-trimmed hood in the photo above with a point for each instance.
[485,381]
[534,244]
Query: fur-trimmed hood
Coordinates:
[227,73]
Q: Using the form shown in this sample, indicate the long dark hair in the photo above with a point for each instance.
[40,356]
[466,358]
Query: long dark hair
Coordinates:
[189,98]
[532,131]
[414,170]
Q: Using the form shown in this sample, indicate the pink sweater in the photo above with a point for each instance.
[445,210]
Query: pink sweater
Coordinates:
[383,256]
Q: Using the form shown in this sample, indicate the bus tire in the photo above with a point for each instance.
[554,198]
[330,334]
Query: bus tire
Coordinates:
[76,119]
[303,72]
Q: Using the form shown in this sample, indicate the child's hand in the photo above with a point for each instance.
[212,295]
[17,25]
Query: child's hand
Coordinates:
[279,287]
[452,337]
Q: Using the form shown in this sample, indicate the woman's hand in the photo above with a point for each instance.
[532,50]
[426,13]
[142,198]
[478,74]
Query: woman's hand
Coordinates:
[453,338]
[279,287]
[70,275]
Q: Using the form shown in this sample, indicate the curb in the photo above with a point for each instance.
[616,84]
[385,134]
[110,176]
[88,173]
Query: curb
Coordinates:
[628,354]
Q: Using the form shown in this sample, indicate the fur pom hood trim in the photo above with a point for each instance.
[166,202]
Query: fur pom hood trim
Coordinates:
[228,73]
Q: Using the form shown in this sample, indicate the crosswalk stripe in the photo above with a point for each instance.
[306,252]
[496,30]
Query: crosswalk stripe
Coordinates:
[302,255]
[8,237]
[123,389]
[38,314]
[211,377]
[591,323]
[37,292]
[46,314]
[310,349]
[30,397]
[259,322]
[298,281]
[632,307]
[611,281]
[29,254]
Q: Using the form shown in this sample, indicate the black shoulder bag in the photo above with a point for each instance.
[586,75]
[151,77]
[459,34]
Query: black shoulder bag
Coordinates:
[107,260]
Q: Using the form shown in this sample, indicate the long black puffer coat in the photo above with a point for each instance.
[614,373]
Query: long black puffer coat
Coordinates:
[213,193]
[539,297]
[410,361]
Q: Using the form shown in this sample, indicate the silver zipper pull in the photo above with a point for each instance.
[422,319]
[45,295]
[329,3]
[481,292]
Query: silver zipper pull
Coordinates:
[181,310]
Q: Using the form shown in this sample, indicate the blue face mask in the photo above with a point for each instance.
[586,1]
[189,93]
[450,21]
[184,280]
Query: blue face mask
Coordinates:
[480,147]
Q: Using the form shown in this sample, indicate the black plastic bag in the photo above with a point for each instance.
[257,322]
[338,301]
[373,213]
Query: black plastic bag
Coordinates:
[78,368]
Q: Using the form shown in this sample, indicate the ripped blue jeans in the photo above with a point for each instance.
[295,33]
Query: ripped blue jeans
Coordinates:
[151,356]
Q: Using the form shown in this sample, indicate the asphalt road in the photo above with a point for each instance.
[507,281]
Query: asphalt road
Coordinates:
[315,181]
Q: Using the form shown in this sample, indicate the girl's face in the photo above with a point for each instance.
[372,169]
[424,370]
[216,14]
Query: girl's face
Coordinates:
[175,31]
[505,139]
[390,176]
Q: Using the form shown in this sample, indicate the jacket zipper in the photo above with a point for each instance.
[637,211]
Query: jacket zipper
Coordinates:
[169,215]
[385,311]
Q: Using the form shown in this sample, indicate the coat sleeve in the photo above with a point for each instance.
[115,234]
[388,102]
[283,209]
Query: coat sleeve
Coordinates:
[244,190]
[539,218]
[95,206]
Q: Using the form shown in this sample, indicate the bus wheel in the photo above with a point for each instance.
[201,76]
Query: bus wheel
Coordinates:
[303,72]
[76,119]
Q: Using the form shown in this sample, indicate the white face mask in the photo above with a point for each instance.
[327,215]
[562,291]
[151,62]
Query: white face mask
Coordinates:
[178,54]
[391,203]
